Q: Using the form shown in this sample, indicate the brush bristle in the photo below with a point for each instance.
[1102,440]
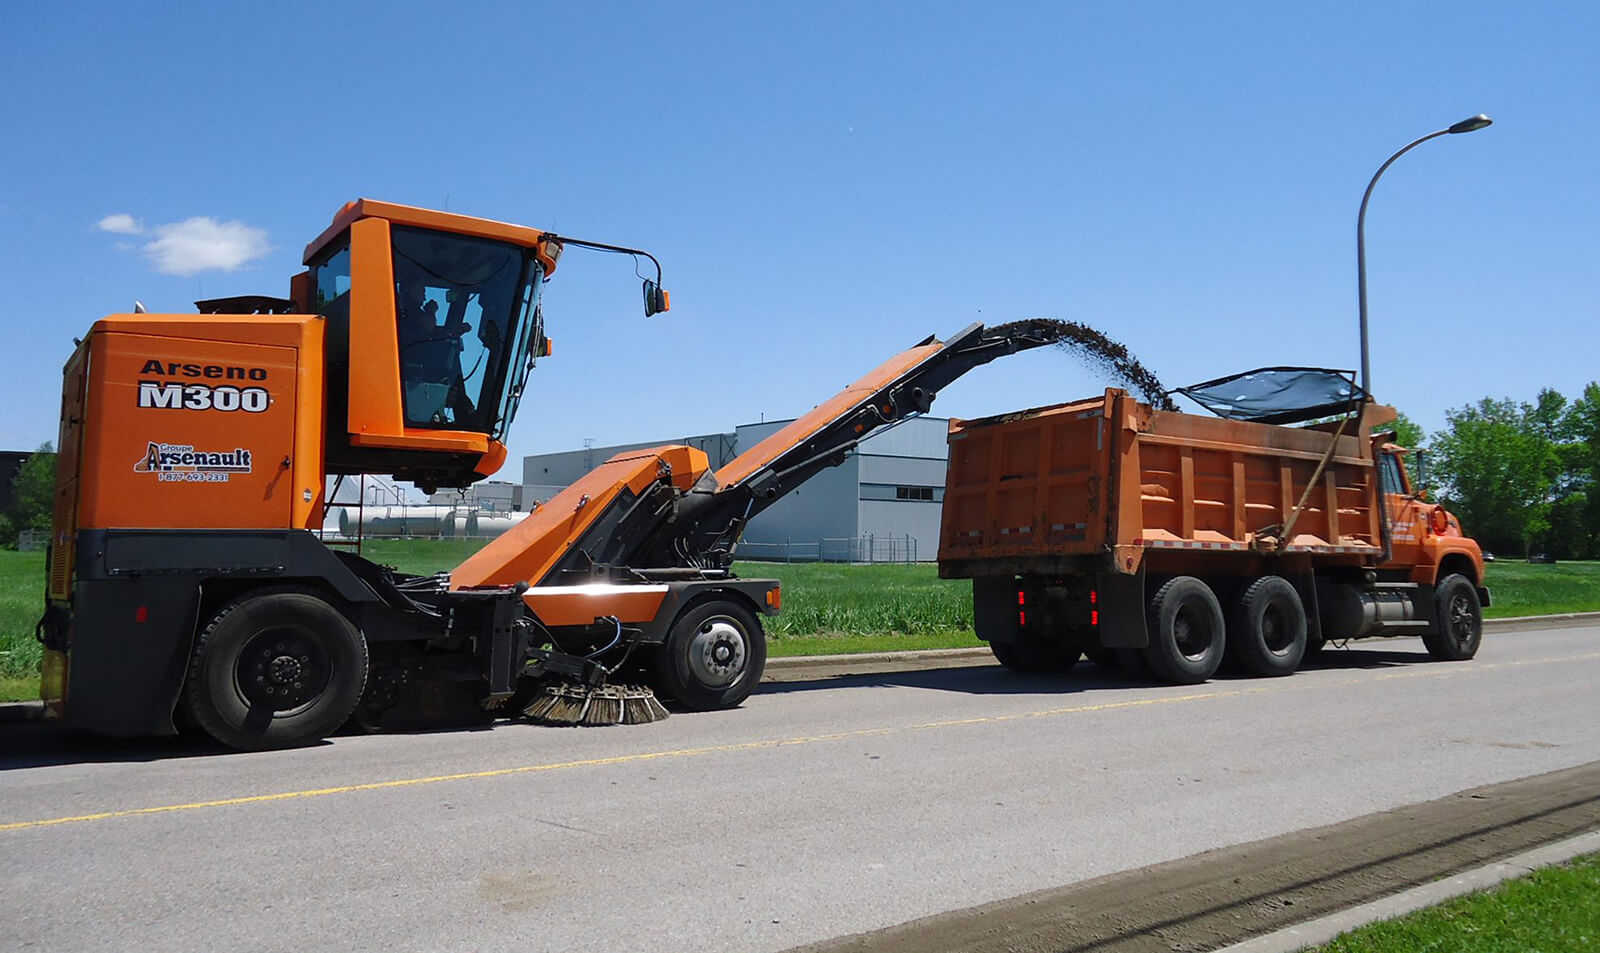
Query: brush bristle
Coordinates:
[560,705]
[567,704]
[640,706]
[542,706]
[605,708]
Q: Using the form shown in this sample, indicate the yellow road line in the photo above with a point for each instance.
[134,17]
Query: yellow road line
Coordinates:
[643,756]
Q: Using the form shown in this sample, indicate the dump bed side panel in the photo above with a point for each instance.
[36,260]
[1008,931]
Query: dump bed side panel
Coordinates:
[1053,488]
[1225,483]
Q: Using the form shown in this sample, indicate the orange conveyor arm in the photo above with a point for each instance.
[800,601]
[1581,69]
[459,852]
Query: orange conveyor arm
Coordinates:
[603,520]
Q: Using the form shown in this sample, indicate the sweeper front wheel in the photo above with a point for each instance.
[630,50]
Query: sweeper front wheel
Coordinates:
[713,657]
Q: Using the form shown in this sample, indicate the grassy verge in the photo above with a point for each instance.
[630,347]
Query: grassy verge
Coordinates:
[1551,910]
[21,602]
[827,608]
[1521,588]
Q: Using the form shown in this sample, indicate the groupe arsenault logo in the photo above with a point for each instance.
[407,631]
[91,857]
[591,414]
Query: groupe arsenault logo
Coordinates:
[182,463]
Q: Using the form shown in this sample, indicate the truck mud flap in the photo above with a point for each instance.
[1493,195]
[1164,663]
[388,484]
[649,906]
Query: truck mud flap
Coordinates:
[994,608]
[130,650]
[1121,601]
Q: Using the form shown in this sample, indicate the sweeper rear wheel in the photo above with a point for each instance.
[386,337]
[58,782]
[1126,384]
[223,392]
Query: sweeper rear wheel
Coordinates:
[713,657]
[276,668]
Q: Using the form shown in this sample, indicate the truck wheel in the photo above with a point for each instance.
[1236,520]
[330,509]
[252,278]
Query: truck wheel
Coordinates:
[1459,620]
[713,657]
[1035,656]
[274,669]
[1186,632]
[1267,631]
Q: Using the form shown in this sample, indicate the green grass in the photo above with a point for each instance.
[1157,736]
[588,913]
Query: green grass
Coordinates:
[1522,588]
[420,556]
[1553,910]
[827,608]
[21,603]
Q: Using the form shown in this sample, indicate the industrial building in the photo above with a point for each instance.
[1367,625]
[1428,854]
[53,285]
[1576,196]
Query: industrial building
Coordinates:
[881,505]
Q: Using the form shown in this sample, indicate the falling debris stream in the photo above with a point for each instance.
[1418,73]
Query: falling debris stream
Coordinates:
[1104,354]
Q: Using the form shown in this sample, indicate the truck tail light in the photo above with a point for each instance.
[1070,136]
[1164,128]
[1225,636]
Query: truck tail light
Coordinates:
[1094,607]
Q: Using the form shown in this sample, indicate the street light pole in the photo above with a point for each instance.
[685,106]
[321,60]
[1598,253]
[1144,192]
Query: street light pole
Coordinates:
[1472,124]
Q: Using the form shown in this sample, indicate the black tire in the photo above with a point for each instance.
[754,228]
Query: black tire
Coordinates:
[1187,632]
[1267,629]
[1035,656]
[1458,628]
[713,656]
[274,669]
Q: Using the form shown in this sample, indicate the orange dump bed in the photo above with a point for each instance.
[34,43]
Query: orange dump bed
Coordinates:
[1109,480]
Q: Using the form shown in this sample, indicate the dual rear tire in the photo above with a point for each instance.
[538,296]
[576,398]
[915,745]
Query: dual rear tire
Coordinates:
[1264,634]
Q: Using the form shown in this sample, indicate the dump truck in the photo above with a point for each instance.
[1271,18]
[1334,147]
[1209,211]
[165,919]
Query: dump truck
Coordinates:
[188,578]
[1173,541]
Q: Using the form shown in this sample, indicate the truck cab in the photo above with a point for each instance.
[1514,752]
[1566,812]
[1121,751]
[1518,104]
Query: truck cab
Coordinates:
[1426,541]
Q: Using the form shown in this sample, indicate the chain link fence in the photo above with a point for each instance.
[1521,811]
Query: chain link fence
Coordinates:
[862,550]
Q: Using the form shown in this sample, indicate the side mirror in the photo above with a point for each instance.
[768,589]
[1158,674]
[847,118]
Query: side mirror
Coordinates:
[656,299]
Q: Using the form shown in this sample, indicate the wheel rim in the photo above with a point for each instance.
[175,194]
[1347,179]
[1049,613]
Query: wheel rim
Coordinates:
[1461,621]
[1193,634]
[1275,630]
[283,669]
[717,652]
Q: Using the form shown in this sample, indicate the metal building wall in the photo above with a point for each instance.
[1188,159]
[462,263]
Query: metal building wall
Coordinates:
[860,500]
[890,489]
[901,490]
[563,468]
[823,508]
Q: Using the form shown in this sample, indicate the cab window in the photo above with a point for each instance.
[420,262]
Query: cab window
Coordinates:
[1393,476]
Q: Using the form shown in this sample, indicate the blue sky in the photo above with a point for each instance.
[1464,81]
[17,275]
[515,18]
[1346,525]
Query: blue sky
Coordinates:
[827,183]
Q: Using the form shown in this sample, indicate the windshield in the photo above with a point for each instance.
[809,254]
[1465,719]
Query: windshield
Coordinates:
[464,308]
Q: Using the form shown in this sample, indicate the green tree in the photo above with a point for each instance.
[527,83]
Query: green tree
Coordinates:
[1547,415]
[1580,461]
[1497,470]
[1407,433]
[33,495]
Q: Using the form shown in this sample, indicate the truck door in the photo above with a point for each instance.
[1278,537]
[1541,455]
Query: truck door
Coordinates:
[1405,512]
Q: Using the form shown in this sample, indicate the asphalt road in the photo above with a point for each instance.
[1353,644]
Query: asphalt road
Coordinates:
[821,808]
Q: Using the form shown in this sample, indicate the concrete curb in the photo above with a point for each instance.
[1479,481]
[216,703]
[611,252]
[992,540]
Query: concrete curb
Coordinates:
[1525,623]
[15,713]
[1324,929]
[878,658]
[922,657]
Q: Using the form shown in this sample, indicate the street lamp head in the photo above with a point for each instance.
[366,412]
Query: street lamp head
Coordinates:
[1470,125]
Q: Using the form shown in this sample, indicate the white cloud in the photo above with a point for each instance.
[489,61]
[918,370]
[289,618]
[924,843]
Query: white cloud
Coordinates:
[120,224]
[204,244]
